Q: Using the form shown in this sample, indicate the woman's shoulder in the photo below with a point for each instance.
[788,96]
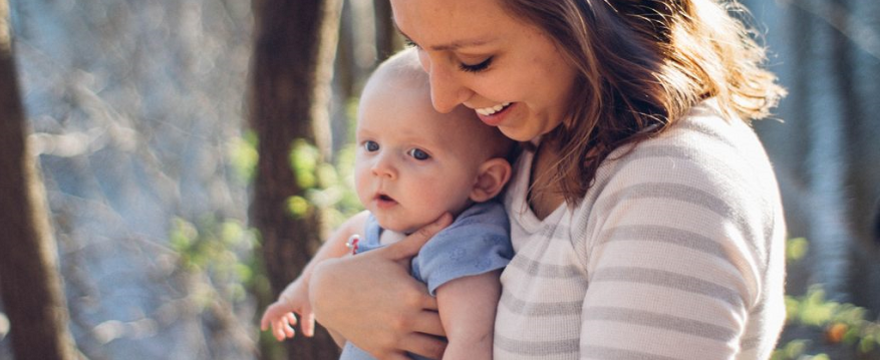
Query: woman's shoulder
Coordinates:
[703,155]
[701,146]
[705,185]
[705,125]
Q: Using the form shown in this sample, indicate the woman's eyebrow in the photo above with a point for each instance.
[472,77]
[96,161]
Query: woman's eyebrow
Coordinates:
[442,47]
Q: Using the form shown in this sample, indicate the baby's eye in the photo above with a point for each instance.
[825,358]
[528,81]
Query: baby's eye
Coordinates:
[418,154]
[371,146]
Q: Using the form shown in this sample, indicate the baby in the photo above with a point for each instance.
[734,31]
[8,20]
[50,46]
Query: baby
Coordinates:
[413,165]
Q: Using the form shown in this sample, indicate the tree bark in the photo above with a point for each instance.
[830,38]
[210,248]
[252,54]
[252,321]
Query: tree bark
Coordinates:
[387,39]
[29,280]
[295,42]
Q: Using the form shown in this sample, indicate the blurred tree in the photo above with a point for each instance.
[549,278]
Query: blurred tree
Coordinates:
[827,52]
[294,47]
[388,41]
[31,286]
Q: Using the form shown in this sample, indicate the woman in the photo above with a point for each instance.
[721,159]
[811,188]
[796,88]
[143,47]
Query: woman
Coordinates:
[644,212]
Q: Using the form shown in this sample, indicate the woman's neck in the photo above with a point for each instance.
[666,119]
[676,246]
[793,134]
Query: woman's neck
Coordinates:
[545,194]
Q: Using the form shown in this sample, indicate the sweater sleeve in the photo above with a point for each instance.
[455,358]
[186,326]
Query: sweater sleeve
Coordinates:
[673,255]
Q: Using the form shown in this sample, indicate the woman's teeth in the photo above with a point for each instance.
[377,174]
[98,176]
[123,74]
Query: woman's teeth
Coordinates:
[492,110]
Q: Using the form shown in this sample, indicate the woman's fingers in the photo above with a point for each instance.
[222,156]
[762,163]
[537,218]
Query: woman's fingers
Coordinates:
[425,345]
[410,246]
[428,322]
[372,300]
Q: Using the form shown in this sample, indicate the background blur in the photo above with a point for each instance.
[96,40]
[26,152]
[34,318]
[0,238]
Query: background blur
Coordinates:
[138,111]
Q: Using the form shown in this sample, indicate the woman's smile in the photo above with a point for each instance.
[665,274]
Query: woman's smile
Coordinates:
[494,116]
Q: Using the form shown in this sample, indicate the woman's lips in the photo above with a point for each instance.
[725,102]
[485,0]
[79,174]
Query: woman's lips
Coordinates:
[498,117]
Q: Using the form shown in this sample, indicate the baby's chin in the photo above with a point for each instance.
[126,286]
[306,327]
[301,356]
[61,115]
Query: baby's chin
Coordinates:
[402,227]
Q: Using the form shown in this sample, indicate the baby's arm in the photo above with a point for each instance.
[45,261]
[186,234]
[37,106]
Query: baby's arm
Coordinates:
[295,297]
[467,310]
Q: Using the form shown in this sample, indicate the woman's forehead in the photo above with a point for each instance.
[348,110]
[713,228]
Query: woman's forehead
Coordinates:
[451,24]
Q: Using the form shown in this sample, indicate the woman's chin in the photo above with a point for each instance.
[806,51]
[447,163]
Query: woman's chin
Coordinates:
[516,134]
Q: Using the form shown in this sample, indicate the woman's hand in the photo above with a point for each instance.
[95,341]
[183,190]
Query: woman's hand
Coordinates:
[372,300]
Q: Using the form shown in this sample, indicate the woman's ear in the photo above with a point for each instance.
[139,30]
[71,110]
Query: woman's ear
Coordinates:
[492,176]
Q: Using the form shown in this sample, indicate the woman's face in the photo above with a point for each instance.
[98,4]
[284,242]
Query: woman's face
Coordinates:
[509,72]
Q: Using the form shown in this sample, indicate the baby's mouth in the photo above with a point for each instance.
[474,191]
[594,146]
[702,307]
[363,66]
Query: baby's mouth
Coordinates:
[383,199]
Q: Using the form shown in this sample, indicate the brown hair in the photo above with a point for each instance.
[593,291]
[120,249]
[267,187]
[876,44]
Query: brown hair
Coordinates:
[645,62]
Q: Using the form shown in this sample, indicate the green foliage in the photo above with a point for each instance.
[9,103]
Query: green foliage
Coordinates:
[796,249]
[243,156]
[304,158]
[219,249]
[841,324]
[328,188]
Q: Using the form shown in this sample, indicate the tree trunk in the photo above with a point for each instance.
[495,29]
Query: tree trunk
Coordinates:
[387,39]
[295,44]
[30,285]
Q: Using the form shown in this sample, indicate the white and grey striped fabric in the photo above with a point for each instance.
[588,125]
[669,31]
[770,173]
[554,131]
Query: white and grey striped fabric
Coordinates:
[676,252]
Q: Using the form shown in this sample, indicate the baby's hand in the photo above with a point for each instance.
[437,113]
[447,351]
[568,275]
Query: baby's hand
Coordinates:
[294,299]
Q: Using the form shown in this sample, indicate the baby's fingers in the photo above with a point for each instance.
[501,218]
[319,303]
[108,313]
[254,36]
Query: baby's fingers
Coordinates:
[267,319]
[278,330]
[282,330]
[282,327]
[307,325]
[289,321]
[288,329]
[274,311]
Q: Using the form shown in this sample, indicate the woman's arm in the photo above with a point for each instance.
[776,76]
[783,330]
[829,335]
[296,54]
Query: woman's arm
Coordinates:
[372,300]
[467,310]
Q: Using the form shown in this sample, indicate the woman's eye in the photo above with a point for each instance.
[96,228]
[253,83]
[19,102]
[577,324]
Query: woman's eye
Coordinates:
[418,154]
[371,146]
[476,67]
[410,43]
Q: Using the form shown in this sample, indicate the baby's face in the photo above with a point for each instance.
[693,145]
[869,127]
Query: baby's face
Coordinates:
[414,164]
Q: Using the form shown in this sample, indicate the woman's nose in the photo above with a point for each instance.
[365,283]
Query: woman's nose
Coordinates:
[447,91]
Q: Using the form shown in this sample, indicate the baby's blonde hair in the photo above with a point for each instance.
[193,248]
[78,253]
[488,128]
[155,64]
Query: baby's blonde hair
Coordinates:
[403,72]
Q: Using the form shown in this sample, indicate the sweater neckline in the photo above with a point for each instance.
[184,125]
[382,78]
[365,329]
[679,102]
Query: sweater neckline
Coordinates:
[524,215]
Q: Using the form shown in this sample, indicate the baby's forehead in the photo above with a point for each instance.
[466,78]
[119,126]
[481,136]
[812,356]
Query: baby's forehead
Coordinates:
[448,128]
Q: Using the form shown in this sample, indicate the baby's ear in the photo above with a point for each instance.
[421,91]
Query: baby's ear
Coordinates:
[493,175]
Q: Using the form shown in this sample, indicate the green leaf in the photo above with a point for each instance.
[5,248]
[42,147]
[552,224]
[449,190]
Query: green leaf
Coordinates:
[297,206]
[243,156]
[304,159]
[796,249]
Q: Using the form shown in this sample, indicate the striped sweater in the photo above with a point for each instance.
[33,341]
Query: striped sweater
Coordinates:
[675,252]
